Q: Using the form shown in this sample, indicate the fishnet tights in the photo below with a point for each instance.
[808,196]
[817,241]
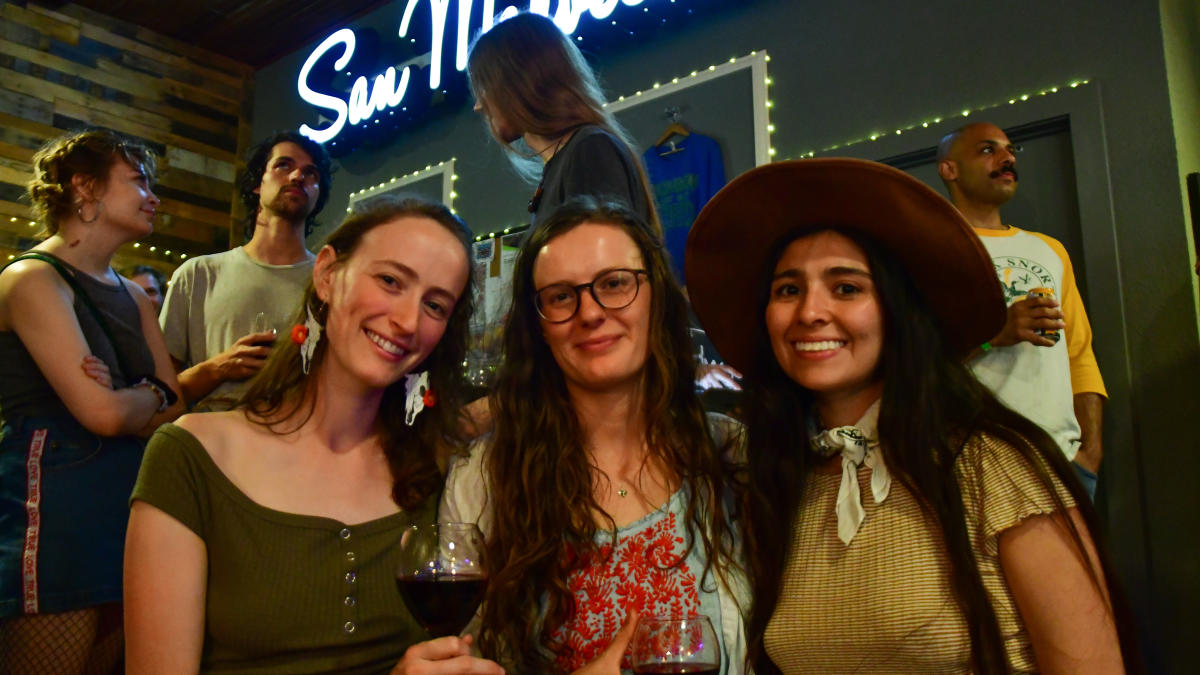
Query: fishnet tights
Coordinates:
[82,642]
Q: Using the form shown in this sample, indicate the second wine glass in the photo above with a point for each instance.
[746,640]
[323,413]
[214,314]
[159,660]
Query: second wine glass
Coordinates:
[675,645]
[441,575]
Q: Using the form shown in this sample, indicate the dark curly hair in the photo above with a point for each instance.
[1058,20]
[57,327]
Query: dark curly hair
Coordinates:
[256,165]
[89,152]
[412,452]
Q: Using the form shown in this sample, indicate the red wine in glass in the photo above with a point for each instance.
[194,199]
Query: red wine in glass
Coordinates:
[675,645]
[678,669]
[443,605]
[441,576]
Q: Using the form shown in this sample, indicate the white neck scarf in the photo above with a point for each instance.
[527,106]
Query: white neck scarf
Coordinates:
[858,445]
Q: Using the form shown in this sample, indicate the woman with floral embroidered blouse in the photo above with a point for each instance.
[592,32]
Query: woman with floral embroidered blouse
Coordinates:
[901,520]
[602,491]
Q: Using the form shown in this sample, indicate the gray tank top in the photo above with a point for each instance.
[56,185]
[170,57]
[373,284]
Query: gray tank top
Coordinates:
[23,389]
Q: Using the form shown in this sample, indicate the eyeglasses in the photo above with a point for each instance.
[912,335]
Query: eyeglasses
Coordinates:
[614,289]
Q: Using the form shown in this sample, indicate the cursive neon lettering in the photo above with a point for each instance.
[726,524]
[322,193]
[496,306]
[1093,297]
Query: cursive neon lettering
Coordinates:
[384,94]
[364,100]
[344,36]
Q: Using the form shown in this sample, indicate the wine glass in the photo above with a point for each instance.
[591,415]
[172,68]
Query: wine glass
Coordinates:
[441,575]
[674,645]
[260,324]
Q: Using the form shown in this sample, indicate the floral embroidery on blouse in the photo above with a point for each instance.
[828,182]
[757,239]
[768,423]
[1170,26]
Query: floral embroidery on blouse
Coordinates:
[645,570]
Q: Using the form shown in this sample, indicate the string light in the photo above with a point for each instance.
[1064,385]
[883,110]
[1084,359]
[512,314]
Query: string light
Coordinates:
[660,89]
[965,112]
[404,179]
[712,71]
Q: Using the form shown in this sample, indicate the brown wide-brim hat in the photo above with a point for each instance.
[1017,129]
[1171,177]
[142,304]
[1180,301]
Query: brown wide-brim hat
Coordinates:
[729,246]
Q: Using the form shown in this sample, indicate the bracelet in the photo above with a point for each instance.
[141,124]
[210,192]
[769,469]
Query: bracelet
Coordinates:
[985,347]
[166,396]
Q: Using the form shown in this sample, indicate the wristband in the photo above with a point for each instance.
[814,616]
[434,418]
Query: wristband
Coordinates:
[166,396]
[985,347]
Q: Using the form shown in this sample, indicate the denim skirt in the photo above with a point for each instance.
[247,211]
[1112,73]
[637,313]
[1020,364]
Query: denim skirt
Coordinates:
[64,505]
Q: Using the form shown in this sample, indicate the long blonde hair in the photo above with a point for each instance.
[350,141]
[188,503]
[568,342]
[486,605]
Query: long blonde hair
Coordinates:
[525,71]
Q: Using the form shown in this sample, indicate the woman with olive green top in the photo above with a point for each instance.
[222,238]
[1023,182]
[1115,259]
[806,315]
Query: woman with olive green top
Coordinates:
[262,539]
[280,583]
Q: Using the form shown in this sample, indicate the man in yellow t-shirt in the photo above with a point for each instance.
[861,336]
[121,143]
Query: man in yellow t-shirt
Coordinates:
[1055,383]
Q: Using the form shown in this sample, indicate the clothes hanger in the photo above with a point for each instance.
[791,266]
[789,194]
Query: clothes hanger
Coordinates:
[675,128]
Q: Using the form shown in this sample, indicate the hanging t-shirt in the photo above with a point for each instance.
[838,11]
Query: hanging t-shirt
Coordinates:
[683,182]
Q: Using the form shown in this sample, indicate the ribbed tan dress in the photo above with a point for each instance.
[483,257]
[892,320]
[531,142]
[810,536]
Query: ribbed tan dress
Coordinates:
[884,603]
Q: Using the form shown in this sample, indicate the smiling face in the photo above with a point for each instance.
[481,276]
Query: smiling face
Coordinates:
[825,324]
[982,165]
[390,301]
[598,349]
[127,200]
[290,184]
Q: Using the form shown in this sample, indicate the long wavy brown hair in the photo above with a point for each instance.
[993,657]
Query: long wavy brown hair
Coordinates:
[541,481]
[281,396]
[931,407]
[533,77]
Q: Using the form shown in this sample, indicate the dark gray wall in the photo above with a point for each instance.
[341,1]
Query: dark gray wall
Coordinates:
[843,70]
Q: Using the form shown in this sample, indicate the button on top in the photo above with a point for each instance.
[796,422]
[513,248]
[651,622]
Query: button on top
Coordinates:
[350,556]
[349,627]
[351,577]
[349,601]
[345,533]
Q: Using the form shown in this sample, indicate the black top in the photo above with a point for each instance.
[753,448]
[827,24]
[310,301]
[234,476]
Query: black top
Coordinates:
[23,388]
[593,162]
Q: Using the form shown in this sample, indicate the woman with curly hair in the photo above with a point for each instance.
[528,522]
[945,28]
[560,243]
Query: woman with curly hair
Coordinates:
[603,491]
[263,539]
[536,90]
[901,519]
[85,375]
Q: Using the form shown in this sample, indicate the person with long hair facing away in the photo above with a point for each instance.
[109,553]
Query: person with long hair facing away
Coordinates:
[536,90]
[85,374]
[900,518]
[264,538]
[604,491]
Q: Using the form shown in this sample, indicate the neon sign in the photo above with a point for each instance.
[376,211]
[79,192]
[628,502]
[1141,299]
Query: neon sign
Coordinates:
[388,89]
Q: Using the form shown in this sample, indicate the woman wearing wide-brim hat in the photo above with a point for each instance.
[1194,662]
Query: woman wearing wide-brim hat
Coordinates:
[900,518]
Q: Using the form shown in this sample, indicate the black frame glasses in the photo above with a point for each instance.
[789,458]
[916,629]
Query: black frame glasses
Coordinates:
[577,290]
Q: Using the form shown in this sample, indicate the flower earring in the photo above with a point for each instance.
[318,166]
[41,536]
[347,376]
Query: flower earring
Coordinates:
[307,336]
[417,396]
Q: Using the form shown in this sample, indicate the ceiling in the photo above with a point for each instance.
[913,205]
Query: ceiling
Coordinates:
[254,32]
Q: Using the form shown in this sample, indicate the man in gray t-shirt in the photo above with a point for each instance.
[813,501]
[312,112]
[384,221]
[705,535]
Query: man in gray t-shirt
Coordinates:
[222,311]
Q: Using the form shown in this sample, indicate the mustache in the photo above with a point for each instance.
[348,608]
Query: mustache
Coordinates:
[1010,168]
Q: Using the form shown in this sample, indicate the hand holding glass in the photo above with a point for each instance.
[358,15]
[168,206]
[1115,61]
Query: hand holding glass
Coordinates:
[666,645]
[441,575]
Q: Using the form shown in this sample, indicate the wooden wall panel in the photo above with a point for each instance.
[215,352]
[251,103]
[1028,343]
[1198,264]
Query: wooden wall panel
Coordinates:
[66,68]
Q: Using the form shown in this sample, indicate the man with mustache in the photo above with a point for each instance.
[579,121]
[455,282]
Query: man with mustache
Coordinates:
[1054,382]
[222,311]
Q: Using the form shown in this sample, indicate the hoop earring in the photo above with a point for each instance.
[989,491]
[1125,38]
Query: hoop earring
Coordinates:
[79,212]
